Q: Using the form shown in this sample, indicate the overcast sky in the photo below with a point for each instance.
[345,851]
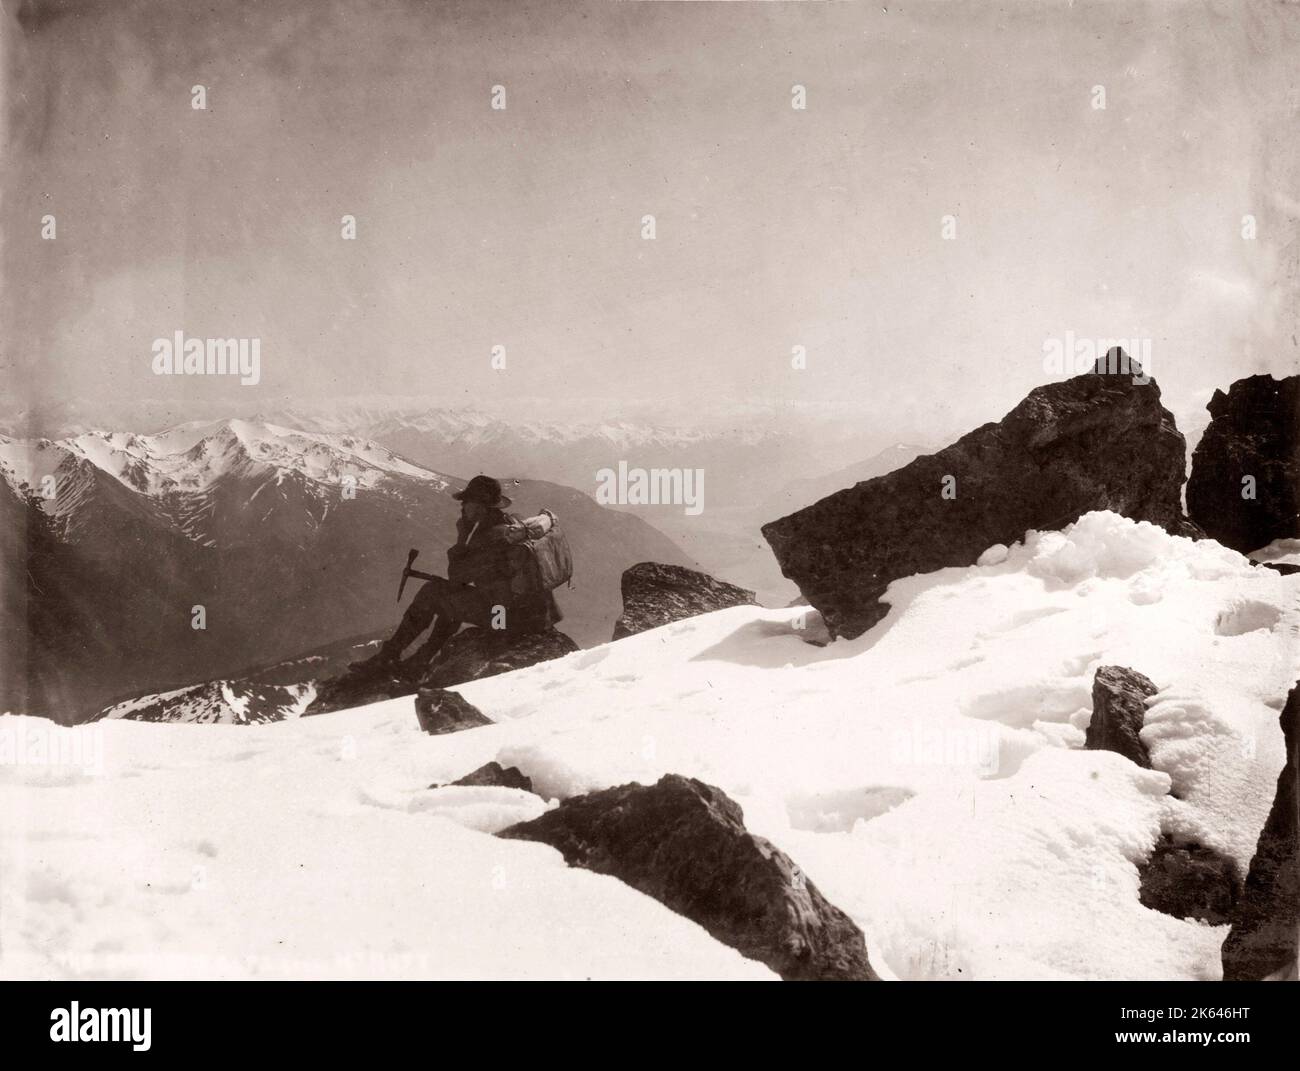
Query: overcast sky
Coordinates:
[774,227]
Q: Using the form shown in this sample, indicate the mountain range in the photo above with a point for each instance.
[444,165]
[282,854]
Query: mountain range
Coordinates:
[137,563]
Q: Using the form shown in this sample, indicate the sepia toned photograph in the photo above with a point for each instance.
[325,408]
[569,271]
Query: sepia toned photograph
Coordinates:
[575,490]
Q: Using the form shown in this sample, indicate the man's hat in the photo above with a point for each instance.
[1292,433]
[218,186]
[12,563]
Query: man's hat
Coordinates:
[483,489]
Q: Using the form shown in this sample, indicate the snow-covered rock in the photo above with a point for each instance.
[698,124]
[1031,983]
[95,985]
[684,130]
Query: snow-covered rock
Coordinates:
[1278,552]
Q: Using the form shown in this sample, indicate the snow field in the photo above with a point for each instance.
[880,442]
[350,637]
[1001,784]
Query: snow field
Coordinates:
[929,777]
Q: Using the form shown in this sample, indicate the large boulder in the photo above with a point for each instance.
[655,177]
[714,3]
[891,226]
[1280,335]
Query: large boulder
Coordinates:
[1265,937]
[474,653]
[1118,709]
[1254,431]
[685,843]
[1098,441]
[655,594]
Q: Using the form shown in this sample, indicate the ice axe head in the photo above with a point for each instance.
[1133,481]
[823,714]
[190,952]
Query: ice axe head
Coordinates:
[411,555]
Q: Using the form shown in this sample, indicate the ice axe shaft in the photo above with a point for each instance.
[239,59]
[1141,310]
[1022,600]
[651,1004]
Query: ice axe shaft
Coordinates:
[408,572]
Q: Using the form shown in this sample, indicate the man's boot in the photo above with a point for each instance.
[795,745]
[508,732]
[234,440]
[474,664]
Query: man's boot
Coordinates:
[381,661]
[416,619]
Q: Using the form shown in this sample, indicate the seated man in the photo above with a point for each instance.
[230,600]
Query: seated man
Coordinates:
[486,586]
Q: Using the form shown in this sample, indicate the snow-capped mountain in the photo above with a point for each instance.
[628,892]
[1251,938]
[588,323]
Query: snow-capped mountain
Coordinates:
[743,457]
[154,560]
[218,703]
[186,470]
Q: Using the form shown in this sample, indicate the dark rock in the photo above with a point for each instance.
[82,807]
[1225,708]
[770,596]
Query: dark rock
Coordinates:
[474,653]
[440,711]
[685,843]
[470,654]
[655,594]
[356,689]
[1254,431]
[1189,881]
[1098,441]
[1118,710]
[1285,568]
[494,775]
[1265,935]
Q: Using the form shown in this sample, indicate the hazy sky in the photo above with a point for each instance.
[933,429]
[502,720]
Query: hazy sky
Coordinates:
[522,227]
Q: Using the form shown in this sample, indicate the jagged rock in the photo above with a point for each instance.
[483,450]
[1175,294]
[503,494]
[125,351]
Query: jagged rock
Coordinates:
[1189,881]
[494,775]
[1254,431]
[655,594]
[1285,568]
[1265,937]
[440,711]
[1096,441]
[685,843]
[1118,710]
[474,653]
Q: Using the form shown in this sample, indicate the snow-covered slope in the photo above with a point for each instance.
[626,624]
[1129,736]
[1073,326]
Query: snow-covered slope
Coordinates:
[929,777]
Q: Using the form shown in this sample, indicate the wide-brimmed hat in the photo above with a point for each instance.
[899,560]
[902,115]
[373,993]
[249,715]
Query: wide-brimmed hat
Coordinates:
[483,489]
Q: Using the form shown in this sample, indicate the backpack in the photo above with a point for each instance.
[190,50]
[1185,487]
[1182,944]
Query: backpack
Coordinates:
[546,562]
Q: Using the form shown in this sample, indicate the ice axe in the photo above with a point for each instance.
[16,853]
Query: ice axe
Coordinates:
[411,555]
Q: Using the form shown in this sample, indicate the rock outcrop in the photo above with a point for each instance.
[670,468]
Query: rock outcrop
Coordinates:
[1118,710]
[494,775]
[1254,432]
[440,711]
[470,654]
[1096,441]
[353,689]
[1189,881]
[655,594]
[474,653]
[685,843]
[1265,937]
